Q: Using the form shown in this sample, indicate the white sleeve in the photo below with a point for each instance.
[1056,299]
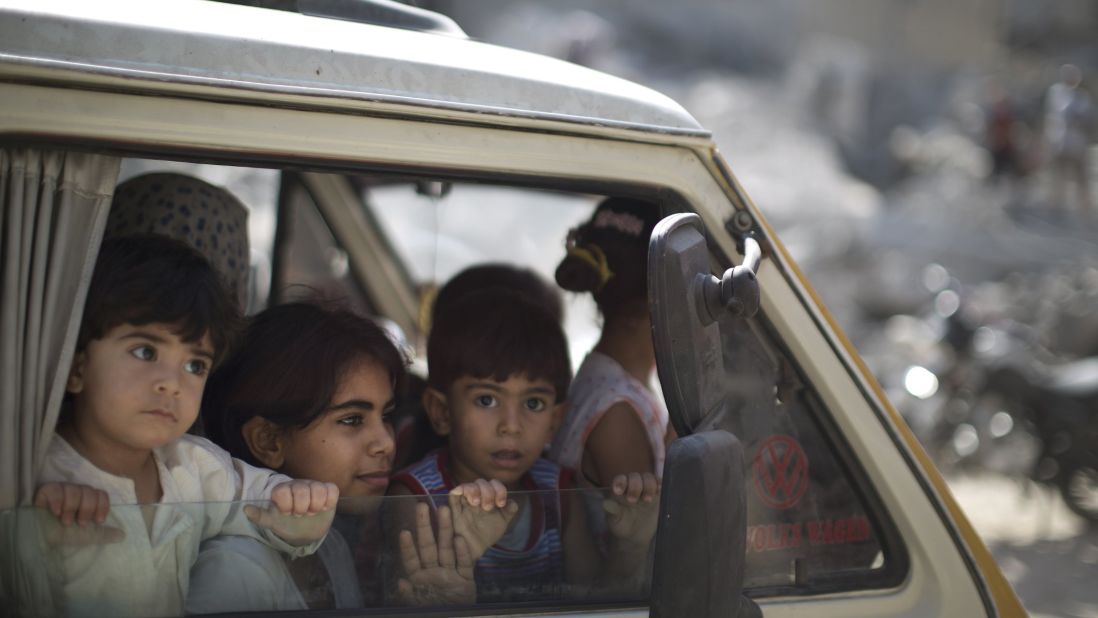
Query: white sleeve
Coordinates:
[226,483]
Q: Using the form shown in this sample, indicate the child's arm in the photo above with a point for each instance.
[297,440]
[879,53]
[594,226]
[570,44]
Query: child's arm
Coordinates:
[613,446]
[301,511]
[481,513]
[631,517]
[223,482]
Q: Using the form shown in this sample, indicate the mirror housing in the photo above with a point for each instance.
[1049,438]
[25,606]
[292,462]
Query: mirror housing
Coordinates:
[701,539]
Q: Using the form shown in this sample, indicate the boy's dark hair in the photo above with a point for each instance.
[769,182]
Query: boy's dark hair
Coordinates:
[502,277]
[153,279]
[497,334]
[287,367]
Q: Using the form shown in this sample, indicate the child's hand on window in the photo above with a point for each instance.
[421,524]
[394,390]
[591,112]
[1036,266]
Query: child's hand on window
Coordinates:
[301,511]
[435,574]
[481,513]
[81,505]
[633,511]
[72,503]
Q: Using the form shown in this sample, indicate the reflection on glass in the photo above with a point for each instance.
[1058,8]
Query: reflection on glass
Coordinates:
[807,525]
[374,556]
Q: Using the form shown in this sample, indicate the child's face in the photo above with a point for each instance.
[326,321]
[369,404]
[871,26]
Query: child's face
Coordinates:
[138,387]
[350,444]
[498,429]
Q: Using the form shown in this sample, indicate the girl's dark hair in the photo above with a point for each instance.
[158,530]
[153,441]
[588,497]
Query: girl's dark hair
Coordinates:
[608,255]
[152,279]
[497,334]
[287,368]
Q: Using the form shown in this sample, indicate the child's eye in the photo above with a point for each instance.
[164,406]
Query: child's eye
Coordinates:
[353,420]
[485,401]
[196,366]
[144,352]
[535,404]
[388,415]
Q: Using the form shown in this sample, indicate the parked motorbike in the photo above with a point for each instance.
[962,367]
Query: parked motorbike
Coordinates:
[1059,405]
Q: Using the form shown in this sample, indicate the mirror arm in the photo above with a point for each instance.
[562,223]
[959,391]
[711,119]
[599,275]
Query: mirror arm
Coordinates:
[736,292]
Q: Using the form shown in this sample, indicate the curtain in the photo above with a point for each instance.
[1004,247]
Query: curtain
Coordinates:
[53,208]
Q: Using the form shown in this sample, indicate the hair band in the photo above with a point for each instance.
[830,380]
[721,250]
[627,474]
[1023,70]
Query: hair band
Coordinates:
[595,258]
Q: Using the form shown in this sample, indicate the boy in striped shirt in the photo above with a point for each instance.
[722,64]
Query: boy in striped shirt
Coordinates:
[499,376]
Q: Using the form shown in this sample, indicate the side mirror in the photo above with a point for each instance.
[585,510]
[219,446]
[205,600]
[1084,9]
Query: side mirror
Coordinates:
[702,536]
[685,302]
[701,539]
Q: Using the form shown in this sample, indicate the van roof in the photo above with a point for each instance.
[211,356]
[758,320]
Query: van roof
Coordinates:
[172,44]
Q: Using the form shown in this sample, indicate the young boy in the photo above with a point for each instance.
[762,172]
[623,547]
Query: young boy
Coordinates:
[499,374]
[157,318]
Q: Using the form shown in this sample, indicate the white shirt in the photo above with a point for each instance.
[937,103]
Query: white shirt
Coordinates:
[600,383]
[148,572]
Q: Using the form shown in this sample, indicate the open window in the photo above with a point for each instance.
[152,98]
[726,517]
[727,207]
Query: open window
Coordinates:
[384,240]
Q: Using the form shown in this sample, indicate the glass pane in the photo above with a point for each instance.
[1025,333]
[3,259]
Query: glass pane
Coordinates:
[438,236]
[164,559]
[808,524]
[311,262]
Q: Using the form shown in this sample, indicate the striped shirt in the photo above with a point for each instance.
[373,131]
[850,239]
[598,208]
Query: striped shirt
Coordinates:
[528,562]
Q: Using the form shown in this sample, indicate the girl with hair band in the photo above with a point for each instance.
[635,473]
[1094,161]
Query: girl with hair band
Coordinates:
[614,424]
[310,389]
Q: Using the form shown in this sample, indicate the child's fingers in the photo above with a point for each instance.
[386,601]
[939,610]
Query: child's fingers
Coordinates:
[464,558]
[102,506]
[619,484]
[487,494]
[282,496]
[445,538]
[651,487]
[409,557]
[500,493]
[405,591]
[303,494]
[255,514]
[628,486]
[50,496]
[611,507]
[511,509]
[318,496]
[333,496]
[70,502]
[425,537]
[85,509]
[470,492]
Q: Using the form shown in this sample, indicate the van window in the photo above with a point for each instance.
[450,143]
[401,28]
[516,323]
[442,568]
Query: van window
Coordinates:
[306,257]
[812,525]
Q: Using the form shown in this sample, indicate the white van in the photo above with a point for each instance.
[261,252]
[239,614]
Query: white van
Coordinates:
[378,161]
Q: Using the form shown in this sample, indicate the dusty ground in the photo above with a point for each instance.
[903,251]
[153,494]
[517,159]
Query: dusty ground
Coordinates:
[1049,555]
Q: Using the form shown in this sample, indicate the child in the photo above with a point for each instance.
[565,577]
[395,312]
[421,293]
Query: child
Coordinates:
[156,319]
[499,374]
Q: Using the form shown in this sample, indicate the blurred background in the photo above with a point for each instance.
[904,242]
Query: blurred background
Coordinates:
[932,166]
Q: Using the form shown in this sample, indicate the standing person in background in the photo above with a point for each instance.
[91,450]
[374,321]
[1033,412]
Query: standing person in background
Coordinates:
[615,424]
[1069,125]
